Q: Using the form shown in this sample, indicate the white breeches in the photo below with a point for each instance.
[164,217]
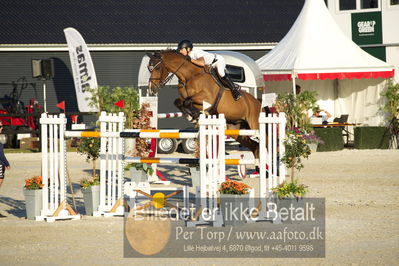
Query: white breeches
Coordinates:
[220,65]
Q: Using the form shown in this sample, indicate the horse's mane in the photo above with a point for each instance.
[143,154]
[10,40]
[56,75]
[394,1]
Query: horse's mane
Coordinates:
[177,53]
[167,51]
[171,51]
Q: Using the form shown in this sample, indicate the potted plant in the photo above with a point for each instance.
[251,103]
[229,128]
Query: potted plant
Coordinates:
[195,174]
[296,149]
[90,188]
[33,196]
[91,148]
[234,199]
[139,171]
[290,190]
[290,195]
[312,140]
[297,108]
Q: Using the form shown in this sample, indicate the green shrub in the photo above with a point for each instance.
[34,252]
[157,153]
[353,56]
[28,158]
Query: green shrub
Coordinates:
[290,190]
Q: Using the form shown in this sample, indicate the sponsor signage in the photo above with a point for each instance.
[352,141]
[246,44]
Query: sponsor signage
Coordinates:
[82,68]
[367,29]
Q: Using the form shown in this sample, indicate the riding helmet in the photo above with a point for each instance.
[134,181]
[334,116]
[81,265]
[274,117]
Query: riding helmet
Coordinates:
[184,44]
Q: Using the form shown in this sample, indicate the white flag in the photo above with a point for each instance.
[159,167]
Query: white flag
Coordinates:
[84,75]
[205,105]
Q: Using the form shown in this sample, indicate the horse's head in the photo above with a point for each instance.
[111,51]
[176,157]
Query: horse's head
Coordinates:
[159,73]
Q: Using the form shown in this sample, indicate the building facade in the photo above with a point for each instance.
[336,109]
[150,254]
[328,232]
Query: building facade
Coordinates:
[119,32]
[372,24]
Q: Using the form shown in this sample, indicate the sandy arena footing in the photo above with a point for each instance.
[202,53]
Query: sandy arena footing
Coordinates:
[362,213]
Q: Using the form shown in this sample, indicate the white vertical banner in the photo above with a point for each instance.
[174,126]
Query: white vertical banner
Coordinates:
[84,75]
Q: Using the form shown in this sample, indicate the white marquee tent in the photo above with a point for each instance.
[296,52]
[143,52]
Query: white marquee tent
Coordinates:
[317,53]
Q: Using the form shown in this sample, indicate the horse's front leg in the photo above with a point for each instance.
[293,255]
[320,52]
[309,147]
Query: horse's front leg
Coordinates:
[188,104]
[196,102]
[179,103]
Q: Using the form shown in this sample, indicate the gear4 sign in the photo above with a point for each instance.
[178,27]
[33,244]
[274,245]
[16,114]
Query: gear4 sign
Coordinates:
[367,29]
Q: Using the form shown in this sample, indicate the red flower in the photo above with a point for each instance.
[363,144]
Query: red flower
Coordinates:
[34,183]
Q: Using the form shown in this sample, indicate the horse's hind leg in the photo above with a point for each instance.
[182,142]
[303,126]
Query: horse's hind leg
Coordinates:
[249,143]
[253,123]
[245,141]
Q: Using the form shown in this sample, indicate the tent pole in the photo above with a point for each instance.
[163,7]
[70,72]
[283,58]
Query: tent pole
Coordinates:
[294,91]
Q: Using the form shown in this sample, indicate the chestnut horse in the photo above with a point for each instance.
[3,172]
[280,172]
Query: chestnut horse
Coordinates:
[196,86]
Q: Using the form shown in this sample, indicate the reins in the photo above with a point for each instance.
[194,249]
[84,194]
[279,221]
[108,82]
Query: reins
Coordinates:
[167,79]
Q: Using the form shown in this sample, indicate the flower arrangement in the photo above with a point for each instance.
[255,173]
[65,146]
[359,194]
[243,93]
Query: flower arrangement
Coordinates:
[34,183]
[234,187]
[88,182]
[312,138]
[141,120]
[290,190]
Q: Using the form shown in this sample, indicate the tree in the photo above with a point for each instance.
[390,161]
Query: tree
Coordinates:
[137,117]
[91,148]
[296,109]
[391,108]
[105,97]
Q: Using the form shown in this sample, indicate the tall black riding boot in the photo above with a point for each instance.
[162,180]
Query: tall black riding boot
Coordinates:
[230,85]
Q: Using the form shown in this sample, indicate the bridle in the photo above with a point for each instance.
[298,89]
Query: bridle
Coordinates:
[162,83]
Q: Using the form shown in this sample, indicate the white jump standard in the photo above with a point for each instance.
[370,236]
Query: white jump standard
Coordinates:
[54,204]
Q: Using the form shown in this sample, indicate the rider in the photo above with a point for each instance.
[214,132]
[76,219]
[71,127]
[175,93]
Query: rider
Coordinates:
[202,58]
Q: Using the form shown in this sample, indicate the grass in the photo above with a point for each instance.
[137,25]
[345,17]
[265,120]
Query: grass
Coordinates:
[19,151]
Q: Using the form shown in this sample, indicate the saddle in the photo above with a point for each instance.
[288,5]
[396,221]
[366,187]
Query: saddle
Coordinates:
[215,75]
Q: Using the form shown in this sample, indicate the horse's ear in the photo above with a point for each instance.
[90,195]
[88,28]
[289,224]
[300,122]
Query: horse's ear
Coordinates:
[157,54]
[150,55]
